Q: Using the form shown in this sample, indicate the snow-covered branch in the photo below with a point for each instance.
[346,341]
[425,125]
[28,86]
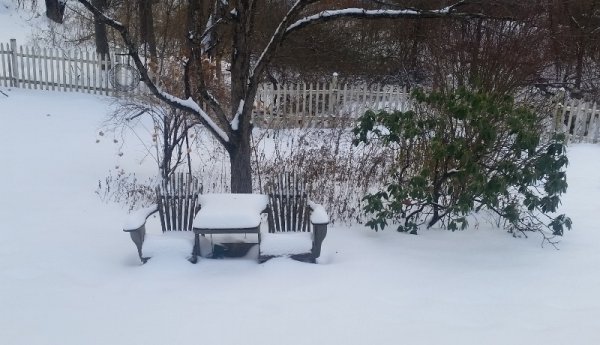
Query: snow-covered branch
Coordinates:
[186,105]
[190,104]
[408,13]
[363,13]
[235,123]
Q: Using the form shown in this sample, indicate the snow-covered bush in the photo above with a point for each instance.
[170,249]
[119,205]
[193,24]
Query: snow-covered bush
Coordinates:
[337,173]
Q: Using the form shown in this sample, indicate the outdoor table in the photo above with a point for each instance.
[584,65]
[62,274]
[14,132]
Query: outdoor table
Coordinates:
[228,213]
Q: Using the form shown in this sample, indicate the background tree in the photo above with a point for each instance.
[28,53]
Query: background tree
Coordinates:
[231,125]
[574,44]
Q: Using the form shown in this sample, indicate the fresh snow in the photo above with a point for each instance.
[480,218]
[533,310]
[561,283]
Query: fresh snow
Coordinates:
[285,243]
[71,276]
[17,24]
[318,214]
[137,218]
[230,211]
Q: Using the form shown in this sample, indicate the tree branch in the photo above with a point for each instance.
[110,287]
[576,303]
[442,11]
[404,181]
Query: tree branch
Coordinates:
[186,105]
[276,39]
[360,13]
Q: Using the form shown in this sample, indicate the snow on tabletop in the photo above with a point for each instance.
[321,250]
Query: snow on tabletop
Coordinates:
[230,211]
[318,214]
[137,218]
[285,243]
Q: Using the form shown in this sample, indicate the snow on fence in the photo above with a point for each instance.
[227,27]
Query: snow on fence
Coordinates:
[54,69]
[324,103]
[579,120]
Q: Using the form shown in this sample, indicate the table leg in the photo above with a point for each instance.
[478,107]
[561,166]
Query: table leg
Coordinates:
[196,249]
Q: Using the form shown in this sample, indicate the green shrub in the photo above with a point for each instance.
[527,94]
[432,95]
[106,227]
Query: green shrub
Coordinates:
[465,152]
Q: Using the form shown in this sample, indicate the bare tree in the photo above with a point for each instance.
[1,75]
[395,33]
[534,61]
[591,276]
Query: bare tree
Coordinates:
[229,118]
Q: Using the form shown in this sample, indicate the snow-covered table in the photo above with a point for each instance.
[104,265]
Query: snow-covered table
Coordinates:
[228,214]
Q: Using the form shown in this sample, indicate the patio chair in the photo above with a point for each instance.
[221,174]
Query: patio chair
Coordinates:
[297,226]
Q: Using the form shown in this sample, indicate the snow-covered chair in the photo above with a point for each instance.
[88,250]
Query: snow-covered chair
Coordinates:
[177,204]
[297,226]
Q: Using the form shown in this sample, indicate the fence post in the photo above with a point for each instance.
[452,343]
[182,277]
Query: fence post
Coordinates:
[334,95]
[14,71]
[559,111]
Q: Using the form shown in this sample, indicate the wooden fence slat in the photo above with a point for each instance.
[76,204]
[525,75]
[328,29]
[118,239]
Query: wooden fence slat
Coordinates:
[186,201]
[166,205]
[176,199]
[89,65]
[75,71]
[303,101]
[29,68]
[4,67]
[343,112]
[348,102]
[64,70]
[95,68]
[5,64]
[45,68]
[105,74]
[82,75]
[40,67]
[363,104]
[70,70]
[33,67]
[584,123]
[577,129]
[180,194]
[310,102]
[593,125]
[174,202]
[271,98]
[22,64]
[574,110]
[26,71]
[51,78]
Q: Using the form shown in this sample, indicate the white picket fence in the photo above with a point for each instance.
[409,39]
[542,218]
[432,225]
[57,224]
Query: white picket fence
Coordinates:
[54,69]
[324,103]
[579,120]
[285,105]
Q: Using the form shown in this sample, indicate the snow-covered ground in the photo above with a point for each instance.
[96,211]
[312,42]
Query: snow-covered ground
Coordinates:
[69,275]
[19,24]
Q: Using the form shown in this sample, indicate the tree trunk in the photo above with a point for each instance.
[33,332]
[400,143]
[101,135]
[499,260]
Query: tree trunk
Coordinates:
[100,35]
[146,17]
[241,170]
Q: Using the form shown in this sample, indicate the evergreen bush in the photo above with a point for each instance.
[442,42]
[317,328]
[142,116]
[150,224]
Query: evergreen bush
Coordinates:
[463,152]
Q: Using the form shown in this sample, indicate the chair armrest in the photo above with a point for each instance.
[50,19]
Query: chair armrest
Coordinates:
[318,215]
[137,219]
